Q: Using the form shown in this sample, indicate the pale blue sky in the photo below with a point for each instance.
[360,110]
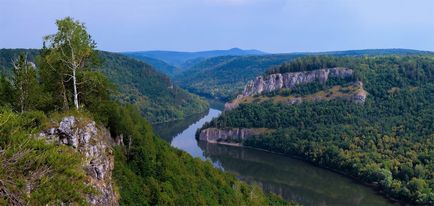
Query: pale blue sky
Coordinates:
[191,25]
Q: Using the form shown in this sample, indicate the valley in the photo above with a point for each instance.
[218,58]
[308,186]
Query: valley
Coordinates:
[382,137]
[217,103]
[292,179]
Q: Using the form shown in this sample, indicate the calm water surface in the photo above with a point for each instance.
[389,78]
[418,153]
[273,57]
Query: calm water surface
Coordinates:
[291,178]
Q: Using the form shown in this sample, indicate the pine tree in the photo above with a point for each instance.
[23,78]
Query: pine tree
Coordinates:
[27,91]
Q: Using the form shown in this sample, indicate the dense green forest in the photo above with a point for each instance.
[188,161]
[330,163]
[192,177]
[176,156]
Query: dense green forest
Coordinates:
[137,83]
[388,140]
[160,65]
[147,171]
[156,96]
[224,77]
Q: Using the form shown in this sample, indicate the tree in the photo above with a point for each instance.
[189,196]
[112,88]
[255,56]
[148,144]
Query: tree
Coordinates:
[52,76]
[26,85]
[74,49]
[6,92]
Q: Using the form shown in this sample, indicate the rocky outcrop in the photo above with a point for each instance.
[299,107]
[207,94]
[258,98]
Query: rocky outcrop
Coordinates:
[278,81]
[215,135]
[360,95]
[274,82]
[85,137]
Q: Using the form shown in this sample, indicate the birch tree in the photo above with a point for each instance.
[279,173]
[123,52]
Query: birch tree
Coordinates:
[74,49]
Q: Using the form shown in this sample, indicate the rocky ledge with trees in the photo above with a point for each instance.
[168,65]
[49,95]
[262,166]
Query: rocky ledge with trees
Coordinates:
[65,141]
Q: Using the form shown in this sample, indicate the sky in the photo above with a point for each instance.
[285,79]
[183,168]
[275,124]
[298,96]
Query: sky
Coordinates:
[276,26]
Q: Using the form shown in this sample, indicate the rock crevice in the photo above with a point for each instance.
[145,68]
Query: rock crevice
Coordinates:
[94,144]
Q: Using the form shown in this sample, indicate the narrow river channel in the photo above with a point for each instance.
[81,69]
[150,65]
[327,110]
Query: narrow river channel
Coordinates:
[291,178]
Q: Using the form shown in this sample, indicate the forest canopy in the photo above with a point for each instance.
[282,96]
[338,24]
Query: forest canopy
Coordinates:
[147,170]
[388,140]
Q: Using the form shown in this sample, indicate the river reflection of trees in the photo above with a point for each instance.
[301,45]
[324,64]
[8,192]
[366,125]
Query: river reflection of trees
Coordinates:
[169,130]
[292,179]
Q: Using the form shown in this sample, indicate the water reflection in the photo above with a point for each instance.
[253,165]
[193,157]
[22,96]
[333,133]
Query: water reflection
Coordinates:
[186,139]
[172,129]
[292,179]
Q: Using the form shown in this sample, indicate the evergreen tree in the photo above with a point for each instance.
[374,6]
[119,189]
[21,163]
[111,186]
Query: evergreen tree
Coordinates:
[27,90]
[6,92]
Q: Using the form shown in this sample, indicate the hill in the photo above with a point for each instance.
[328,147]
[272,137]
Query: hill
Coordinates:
[138,83]
[159,65]
[224,77]
[103,153]
[379,130]
[178,59]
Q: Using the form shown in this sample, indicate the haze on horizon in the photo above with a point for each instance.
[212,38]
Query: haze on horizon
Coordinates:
[275,26]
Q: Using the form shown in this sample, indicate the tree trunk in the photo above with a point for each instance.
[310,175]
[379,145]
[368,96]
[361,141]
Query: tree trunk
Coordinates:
[22,97]
[74,81]
[65,98]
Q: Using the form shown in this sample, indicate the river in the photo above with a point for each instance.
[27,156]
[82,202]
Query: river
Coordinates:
[291,178]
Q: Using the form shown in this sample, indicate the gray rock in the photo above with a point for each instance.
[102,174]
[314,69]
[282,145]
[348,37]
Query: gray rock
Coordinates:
[215,135]
[96,148]
[274,82]
[278,81]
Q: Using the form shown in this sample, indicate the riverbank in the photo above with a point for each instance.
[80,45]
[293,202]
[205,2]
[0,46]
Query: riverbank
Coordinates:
[356,179]
[289,177]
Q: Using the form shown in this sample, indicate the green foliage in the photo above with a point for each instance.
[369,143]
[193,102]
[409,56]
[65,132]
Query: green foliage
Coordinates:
[389,140]
[72,49]
[224,77]
[149,172]
[27,91]
[33,171]
[305,64]
[6,92]
[7,57]
[159,65]
[158,99]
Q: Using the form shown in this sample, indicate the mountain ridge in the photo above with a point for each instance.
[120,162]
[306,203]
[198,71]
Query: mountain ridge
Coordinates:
[224,77]
[178,58]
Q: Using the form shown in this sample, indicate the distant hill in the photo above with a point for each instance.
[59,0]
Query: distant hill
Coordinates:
[159,65]
[138,83]
[224,77]
[178,59]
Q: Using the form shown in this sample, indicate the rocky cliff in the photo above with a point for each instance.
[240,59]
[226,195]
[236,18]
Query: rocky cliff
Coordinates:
[278,81]
[215,135]
[274,82]
[95,145]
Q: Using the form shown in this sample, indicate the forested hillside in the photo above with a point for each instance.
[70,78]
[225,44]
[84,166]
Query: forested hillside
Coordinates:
[224,77]
[182,59]
[154,93]
[39,167]
[388,140]
[158,99]
[159,65]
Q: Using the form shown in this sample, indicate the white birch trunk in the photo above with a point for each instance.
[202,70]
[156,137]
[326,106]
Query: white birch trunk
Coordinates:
[74,82]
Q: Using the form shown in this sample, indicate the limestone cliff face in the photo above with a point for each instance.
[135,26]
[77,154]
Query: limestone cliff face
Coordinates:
[278,81]
[94,143]
[215,135]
